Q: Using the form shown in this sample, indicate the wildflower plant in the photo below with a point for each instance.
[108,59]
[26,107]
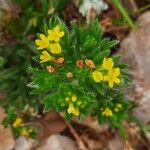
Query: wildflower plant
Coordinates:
[16,51]
[21,123]
[77,74]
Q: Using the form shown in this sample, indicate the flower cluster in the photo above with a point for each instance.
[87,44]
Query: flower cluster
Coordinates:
[78,76]
[107,72]
[50,43]
[89,63]
[108,112]
[22,128]
[73,105]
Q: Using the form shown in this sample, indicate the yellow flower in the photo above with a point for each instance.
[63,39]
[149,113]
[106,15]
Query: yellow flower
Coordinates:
[107,112]
[43,42]
[119,105]
[74,98]
[55,48]
[25,132]
[73,110]
[79,102]
[108,63]
[97,76]
[112,77]
[90,63]
[55,34]
[46,57]
[116,109]
[33,22]
[17,122]
[67,99]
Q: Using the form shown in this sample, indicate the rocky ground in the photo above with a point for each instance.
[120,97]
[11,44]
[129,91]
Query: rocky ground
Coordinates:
[58,135]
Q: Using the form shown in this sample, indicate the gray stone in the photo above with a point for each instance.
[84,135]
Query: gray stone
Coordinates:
[57,142]
[135,51]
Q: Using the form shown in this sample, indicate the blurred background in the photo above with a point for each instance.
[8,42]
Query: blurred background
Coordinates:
[125,20]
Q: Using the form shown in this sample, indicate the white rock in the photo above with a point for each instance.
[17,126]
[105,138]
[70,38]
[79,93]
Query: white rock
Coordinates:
[57,142]
[23,143]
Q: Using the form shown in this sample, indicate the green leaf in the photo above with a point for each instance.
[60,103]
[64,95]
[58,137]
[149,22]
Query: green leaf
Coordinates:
[99,58]
[48,103]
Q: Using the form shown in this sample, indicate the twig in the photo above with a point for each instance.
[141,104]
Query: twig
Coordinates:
[133,3]
[80,143]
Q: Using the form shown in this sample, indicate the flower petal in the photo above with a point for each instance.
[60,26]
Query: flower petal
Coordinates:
[42,36]
[55,48]
[117,71]
[38,42]
[111,84]
[56,29]
[117,80]
[61,34]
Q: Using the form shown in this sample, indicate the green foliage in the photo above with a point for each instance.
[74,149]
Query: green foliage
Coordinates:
[20,127]
[70,86]
[32,15]
[14,75]
[124,13]
[16,57]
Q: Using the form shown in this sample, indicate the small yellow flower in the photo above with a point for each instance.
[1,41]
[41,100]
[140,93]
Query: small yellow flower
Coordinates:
[74,98]
[119,105]
[25,132]
[67,99]
[116,109]
[97,76]
[43,42]
[33,21]
[90,63]
[79,102]
[55,34]
[55,48]
[46,57]
[73,110]
[17,122]
[107,112]
[112,77]
[108,63]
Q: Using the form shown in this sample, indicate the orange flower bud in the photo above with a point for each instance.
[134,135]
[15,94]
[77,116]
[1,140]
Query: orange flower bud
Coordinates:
[50,69]
[69,75]
[80,63]
[90,63]
[59,60]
